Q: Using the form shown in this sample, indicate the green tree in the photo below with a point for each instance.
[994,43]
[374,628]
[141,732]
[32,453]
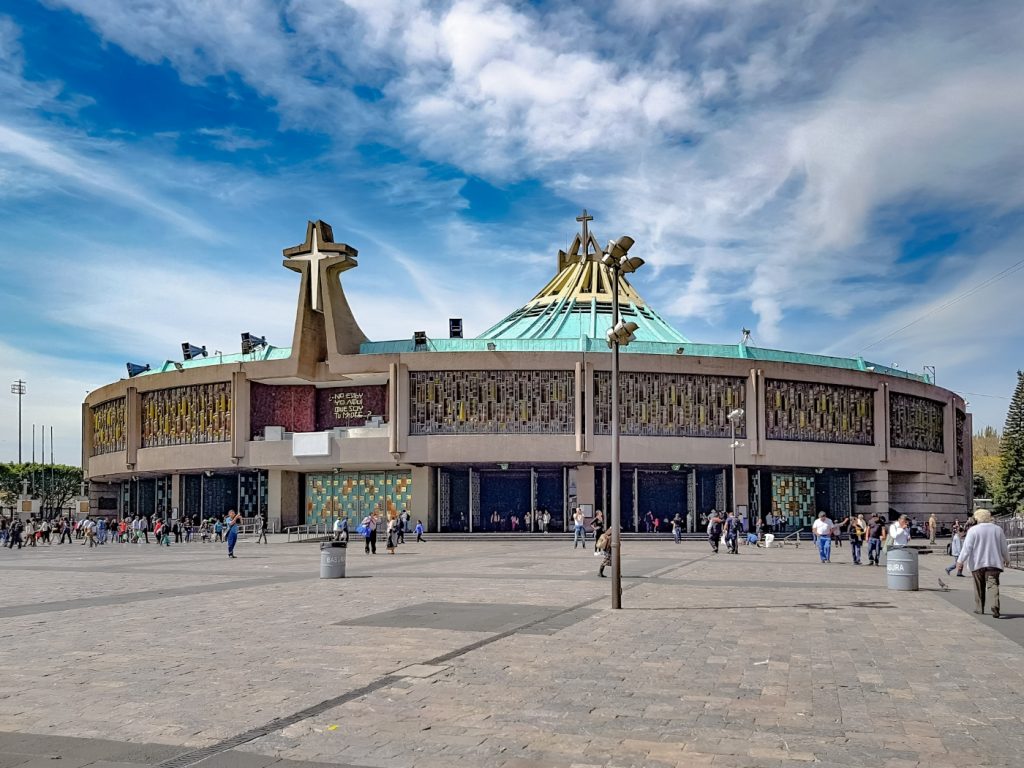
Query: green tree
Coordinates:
[985,445]
[53,484]
[1011,498]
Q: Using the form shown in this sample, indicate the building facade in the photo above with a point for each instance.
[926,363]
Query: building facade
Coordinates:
[477,434]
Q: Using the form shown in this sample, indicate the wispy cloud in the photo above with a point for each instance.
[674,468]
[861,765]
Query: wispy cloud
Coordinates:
[232,139]
[84,171]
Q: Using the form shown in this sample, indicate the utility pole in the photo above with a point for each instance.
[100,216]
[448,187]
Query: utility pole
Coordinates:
[18,388]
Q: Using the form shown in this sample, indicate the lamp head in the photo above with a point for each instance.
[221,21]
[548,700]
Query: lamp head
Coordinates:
[632,264]
[735,415]
[619,247]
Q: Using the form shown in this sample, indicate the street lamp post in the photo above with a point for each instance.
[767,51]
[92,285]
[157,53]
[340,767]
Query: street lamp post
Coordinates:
[619,335]
[734,416]
[18,388]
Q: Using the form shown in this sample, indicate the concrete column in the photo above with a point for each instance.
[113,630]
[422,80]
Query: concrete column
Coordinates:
[753,407]
[882,422]
[585,485]
[877,483]
[949,436]
[283,499]
[87,437]
[588,408]
[742,488]
[579,398]
[176,493]
[393,408]
[423,492]
[760,409]
[133,412]
[402,406]
[239,414]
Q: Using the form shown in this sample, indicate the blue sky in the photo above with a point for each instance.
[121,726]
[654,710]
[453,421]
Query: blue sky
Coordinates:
[820,172]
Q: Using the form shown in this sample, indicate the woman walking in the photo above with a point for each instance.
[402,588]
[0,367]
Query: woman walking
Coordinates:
[234,520]
[392,535]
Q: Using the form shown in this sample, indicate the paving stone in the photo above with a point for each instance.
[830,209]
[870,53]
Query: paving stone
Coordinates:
[488,654]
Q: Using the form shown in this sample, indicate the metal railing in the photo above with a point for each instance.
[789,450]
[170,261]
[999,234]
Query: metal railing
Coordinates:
[309,532]
[1016,553]
[1013,527]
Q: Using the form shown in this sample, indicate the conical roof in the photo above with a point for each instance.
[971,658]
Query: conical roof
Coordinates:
[577,302]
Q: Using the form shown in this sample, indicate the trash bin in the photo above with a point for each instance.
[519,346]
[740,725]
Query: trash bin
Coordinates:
[901,569]
[332,560]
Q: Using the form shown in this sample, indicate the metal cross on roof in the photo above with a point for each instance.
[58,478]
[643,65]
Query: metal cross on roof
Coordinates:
[585,218]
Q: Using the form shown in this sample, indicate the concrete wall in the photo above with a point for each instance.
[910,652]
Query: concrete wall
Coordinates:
[917,482]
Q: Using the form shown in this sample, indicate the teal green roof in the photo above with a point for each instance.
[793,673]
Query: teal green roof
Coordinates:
[590,345]
[263,353]
[574,319]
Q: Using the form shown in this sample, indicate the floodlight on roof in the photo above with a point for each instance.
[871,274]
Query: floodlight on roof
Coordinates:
[251,342]
[188,351]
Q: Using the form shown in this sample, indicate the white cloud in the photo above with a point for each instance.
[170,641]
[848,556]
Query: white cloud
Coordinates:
[81,169]
[56,388]
[232,139]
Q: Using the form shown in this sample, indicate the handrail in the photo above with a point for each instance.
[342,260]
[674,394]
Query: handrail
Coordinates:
[307,531]
[1016,553]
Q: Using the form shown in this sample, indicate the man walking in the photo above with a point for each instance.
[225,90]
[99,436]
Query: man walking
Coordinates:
[732,534]
[264,524]
[714,530]
[986,553]
[822,529]
[933,528]
[677,528]
[876,532]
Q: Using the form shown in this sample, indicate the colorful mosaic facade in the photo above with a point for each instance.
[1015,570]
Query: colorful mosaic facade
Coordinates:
[186,415]
[819,413]
[793,495]
[916,423]
[670,404]
[961,423]
[109,426]
[513,402]
[355,494]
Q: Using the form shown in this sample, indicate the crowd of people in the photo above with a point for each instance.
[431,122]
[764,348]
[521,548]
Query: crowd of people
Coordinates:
[397,526]
[96,531]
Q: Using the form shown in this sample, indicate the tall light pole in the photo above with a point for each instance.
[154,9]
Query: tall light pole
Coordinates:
[18,388]
[734,416]
[619,335]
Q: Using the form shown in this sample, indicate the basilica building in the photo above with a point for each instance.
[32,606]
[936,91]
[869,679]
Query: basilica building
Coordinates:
[478,434]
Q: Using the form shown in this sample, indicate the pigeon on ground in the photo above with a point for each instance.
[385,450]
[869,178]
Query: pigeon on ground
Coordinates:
[944,585]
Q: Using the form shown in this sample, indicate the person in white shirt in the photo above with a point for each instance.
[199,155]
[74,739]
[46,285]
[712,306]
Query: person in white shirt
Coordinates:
[822,529]
[986,553]
[899,532]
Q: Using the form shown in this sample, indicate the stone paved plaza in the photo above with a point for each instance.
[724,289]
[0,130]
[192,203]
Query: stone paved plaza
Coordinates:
[490,653]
